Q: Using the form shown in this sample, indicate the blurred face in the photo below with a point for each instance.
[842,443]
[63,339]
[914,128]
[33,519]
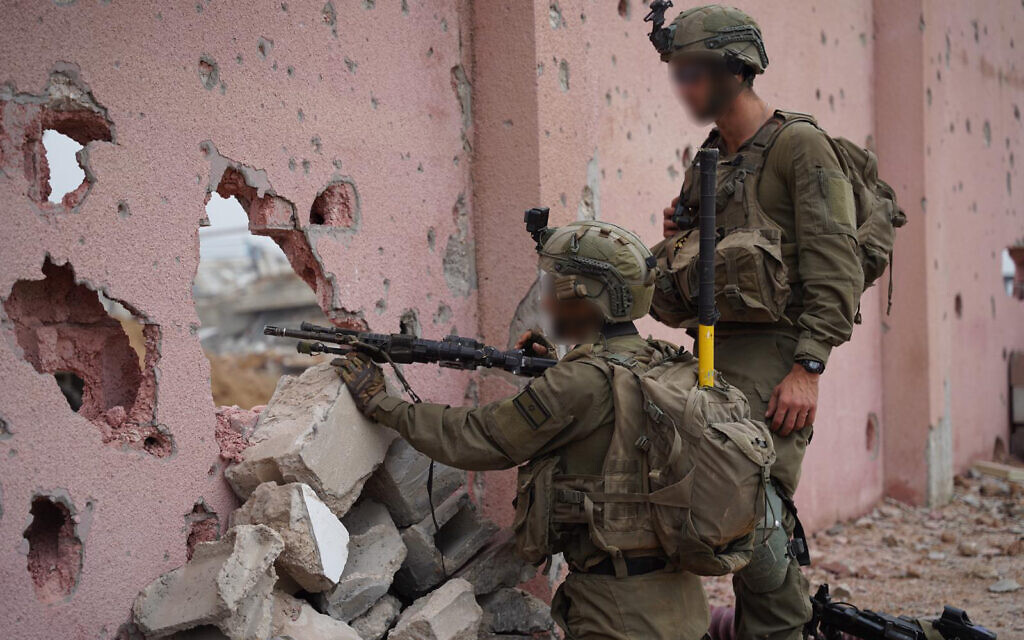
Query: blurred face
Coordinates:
[567,321]
[704,86]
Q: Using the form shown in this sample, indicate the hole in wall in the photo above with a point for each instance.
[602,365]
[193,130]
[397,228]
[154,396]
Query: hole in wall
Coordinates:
[66,174]
[54,549]
[624,8]
[72,386]
[871,439]
[999,453]
[245,281]
[102,354]
[203,526]
[1012,263]
[337,205]
[52,130]
[958,305]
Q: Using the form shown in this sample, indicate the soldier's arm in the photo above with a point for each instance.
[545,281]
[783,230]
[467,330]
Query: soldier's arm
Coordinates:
[827,253]
[552,410]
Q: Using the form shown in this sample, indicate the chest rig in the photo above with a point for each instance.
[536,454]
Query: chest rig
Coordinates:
[755,266]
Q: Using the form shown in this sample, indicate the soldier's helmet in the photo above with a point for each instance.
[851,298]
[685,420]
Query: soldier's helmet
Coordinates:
[717,31]
[601,262]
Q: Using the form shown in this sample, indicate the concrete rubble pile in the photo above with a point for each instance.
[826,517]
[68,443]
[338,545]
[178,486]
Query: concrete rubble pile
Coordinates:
[336,540]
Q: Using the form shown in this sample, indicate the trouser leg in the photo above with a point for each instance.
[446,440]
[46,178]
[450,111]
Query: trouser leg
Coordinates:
[663,605]
[771,593]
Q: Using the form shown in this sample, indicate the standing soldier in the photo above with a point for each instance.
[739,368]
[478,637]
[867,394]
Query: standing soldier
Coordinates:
[597,279]
[788,272]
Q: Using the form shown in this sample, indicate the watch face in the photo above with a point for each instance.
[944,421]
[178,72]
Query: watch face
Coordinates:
[812,366]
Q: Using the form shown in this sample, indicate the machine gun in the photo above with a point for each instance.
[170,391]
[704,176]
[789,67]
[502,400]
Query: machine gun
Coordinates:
[452,351]
[833,620]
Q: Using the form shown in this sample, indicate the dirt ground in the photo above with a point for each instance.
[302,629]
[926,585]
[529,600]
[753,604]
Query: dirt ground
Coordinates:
[909,560]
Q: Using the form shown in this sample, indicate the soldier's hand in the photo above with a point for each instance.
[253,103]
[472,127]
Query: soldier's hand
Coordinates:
[364,379]
[794,402]
[669,228]
[534,343]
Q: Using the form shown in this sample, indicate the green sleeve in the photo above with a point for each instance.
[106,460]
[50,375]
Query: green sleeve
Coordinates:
[556,408]
[825,223]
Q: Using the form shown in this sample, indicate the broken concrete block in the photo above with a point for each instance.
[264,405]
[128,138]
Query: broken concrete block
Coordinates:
[228,583]
[515,611]
[311,432]
[374,624]
[401,483]
[315,541]
[498,565]
[375,552]
[434,553]
[449,613]
[294,618]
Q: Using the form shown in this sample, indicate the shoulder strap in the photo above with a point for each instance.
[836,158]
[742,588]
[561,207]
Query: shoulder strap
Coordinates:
[765,138]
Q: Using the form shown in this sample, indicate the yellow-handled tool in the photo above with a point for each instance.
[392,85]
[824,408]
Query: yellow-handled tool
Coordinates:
[707,314]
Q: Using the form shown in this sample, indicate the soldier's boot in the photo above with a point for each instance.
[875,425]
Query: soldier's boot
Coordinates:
[772,600]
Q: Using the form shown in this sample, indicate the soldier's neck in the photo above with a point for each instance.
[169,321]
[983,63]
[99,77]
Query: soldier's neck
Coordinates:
[742,118]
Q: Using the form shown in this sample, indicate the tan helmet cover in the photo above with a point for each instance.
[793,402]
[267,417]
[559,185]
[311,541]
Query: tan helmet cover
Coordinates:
[720,31]
[603,263]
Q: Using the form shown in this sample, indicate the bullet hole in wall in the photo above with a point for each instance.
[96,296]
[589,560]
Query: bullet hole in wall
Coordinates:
[209,72]
[72,386]
[101,353]
[54,549]
[624,8]
[203,526]
[409,323]
[1012,263]
[337,205]
[958,305]
[871,439]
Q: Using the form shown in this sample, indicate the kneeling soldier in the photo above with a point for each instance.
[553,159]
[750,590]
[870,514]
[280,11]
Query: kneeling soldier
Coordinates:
[597,279]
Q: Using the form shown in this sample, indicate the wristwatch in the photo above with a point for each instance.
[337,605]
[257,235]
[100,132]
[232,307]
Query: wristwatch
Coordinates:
[812,366]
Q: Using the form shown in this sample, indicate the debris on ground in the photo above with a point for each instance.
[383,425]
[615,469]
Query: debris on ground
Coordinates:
[906,560]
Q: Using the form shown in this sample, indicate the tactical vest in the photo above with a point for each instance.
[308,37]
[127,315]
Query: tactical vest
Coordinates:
[684,476]
[757,275]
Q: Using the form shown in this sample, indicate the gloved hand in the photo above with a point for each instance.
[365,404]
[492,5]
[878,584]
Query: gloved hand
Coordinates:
[364,379]
[535,344]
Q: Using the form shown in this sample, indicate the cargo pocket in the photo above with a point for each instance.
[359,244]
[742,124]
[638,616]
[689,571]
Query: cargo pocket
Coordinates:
[840,215]
[751,281]
[534,504]
[673,304]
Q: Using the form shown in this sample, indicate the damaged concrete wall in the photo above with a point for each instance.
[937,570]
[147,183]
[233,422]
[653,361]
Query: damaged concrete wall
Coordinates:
[389,148]
[338,128]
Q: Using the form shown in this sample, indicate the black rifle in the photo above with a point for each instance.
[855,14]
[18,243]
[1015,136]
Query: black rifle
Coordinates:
[453,351]
[833,620]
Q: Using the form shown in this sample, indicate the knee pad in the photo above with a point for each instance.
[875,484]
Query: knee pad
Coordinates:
[770,561]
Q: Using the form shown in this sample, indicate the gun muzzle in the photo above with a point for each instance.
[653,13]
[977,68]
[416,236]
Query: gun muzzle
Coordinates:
[271,330]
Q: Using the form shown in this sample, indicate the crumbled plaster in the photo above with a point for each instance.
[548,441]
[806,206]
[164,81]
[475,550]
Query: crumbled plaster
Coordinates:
[275,217]
[60,325]
[66,105]
[459,258]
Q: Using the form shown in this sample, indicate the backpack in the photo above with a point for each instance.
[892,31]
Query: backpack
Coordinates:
[878,213]
[685,473]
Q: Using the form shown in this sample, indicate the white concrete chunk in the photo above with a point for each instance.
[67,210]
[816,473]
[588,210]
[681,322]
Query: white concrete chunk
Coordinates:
[227,583]
[375,552]
[294,618]
[315,541]
[449,613]
[311,432]
[375,623]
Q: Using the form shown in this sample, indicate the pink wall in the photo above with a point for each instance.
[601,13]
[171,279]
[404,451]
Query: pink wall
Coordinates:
[567,100]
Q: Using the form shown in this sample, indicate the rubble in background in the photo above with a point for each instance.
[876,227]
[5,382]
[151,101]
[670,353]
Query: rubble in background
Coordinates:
[907,560]
[313,555]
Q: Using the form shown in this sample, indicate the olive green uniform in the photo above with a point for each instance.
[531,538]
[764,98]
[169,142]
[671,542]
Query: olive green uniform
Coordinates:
[566,413]
[804,202]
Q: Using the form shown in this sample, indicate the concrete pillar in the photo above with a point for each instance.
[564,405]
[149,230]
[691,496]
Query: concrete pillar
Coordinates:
[917,433]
